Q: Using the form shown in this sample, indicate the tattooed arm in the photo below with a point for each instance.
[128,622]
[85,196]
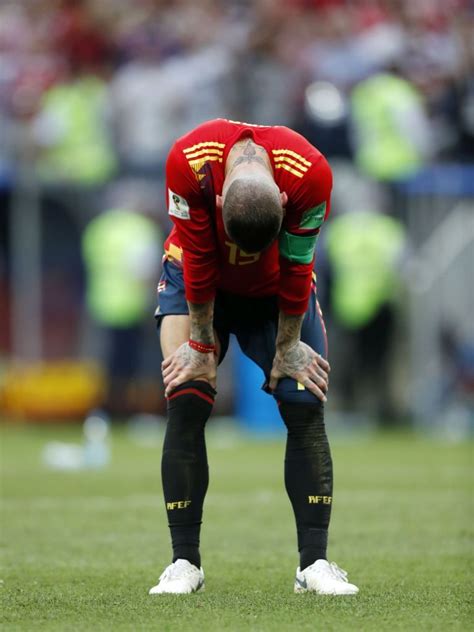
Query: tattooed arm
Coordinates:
[200,317]
[296,359]
[186,363]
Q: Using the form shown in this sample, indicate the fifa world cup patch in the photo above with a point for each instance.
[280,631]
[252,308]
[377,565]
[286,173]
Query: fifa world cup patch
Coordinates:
[177,206]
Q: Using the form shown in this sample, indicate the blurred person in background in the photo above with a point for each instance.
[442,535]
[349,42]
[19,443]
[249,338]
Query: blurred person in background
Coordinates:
[29,65]
[437,61]
[247,202]
[121,249]
[266,65]
[174,77]
[54,85]
[391,130]
[350,41]
[463,86]
[71,130]
[454,399]
[364,251]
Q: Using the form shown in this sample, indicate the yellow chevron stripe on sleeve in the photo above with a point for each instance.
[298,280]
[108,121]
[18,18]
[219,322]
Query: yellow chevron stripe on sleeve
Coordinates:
[290,152]
[290,169]
[209,143]
[203,159]
[291,162]
[205,150]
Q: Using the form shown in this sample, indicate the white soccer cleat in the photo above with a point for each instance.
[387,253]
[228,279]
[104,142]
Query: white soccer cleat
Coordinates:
[179,578]
[324,578]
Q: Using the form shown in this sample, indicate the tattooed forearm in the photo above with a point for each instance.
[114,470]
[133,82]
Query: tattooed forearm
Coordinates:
[201,316]
[289,331]
[249,155]
[297,360]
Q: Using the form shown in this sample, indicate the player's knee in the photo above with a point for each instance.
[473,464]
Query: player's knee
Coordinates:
[305,422]
[188,391]
[302,416]
[189,407]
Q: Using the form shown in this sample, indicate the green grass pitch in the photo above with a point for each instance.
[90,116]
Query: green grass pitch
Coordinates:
[81,549]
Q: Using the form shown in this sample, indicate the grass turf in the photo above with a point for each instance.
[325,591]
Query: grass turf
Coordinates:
[81,549]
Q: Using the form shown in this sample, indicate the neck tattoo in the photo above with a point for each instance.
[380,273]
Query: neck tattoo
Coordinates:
[249,155]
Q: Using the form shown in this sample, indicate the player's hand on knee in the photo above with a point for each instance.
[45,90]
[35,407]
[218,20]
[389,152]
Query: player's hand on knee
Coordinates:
[188,364]
[304,365]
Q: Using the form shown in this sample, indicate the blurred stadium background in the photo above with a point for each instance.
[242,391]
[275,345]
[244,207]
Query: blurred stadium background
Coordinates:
[92,95]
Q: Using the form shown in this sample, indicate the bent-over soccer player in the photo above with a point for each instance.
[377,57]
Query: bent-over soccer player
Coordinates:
[247,202]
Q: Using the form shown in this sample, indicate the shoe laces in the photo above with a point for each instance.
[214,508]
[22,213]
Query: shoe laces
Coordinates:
[338,572]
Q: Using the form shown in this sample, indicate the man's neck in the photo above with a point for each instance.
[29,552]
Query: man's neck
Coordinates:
[247,153]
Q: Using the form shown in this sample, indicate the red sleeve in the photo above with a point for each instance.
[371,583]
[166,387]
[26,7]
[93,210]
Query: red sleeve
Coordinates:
[307,210]
[189,213]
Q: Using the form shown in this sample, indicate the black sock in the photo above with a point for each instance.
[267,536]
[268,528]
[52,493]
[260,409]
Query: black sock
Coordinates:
[308,477]
[184,468]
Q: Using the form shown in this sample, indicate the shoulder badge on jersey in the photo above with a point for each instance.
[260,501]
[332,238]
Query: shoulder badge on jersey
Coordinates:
[177,206]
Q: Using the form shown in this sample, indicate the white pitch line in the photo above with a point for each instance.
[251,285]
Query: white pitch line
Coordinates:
[136,500]
[259,496]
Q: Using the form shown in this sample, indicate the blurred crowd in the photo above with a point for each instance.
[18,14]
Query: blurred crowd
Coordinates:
[94,92]
[116,81]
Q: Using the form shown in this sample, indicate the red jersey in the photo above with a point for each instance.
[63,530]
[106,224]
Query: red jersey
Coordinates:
[195,172]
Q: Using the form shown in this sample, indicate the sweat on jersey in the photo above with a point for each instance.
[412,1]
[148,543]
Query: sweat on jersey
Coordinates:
[195,172]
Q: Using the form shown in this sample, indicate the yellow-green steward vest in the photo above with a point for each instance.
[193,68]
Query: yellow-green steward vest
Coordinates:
[80,150]
[121,252]
[363,249]
[385,150]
